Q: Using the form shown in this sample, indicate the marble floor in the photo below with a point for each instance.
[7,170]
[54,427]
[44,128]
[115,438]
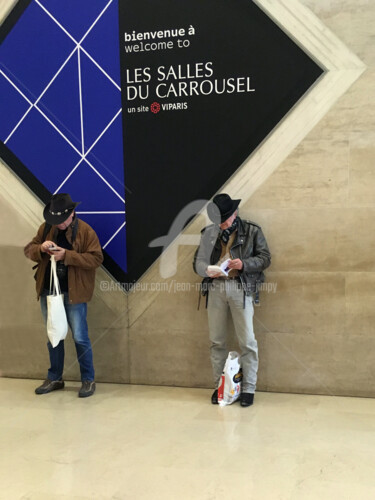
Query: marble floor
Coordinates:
[141,442]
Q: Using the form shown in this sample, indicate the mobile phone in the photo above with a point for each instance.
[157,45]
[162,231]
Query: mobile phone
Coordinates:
[53,249]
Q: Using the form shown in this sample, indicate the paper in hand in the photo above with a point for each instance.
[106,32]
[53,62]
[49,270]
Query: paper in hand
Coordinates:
[223,269]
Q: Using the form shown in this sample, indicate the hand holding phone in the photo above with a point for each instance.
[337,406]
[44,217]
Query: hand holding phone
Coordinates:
[46,245]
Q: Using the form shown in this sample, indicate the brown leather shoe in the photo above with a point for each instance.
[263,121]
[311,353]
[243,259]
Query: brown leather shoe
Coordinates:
[49,386]
[87,389]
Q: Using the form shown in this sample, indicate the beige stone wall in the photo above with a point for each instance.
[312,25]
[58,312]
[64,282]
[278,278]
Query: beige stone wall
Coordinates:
[315,333]
[318,212]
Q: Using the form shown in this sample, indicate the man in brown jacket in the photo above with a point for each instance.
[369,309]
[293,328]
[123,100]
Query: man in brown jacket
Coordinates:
[78,253]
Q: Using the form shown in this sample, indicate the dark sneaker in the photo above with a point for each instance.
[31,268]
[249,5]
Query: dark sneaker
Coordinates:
[214,399]
[247,399]
[87,389]
[49,386]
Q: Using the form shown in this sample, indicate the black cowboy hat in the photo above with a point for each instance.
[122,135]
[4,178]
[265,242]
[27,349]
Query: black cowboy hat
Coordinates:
[59,208]
[221,208]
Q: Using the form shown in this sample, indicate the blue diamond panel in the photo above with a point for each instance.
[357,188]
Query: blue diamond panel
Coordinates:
[97,112]
[61,102]
[76,16]
[102,43]
[39,146]
[106,226]
[12,105]
[111,167]
[34,51]
[105,199]
[38,57]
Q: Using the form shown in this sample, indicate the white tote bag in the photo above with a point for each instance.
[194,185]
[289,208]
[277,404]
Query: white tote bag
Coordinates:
[230,385]
[57,324]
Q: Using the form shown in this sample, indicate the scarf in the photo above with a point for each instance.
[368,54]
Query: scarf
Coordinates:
[225,234]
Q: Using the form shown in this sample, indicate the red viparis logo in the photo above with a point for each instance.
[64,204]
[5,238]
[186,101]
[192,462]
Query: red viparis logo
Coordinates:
[155,107]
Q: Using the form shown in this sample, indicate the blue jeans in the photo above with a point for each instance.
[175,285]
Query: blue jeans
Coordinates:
[76,315]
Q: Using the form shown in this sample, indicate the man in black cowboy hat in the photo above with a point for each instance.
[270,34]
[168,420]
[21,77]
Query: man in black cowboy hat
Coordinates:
[78,253]
[243,243]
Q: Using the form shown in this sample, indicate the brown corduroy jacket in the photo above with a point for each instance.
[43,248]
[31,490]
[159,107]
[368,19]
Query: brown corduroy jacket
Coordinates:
[86,255]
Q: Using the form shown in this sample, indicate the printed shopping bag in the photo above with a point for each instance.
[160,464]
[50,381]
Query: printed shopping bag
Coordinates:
[57,324]
[230,384]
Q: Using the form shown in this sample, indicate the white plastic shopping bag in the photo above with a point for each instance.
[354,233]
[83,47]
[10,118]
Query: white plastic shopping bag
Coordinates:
[230,384]
[57,324]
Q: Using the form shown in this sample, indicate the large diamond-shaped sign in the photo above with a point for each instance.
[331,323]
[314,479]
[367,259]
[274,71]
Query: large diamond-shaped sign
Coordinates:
[166,98]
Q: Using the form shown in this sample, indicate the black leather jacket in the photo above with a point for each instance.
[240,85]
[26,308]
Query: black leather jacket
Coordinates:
[250,246]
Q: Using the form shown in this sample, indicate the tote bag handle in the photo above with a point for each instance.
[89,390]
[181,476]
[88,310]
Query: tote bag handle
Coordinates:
[53,278]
